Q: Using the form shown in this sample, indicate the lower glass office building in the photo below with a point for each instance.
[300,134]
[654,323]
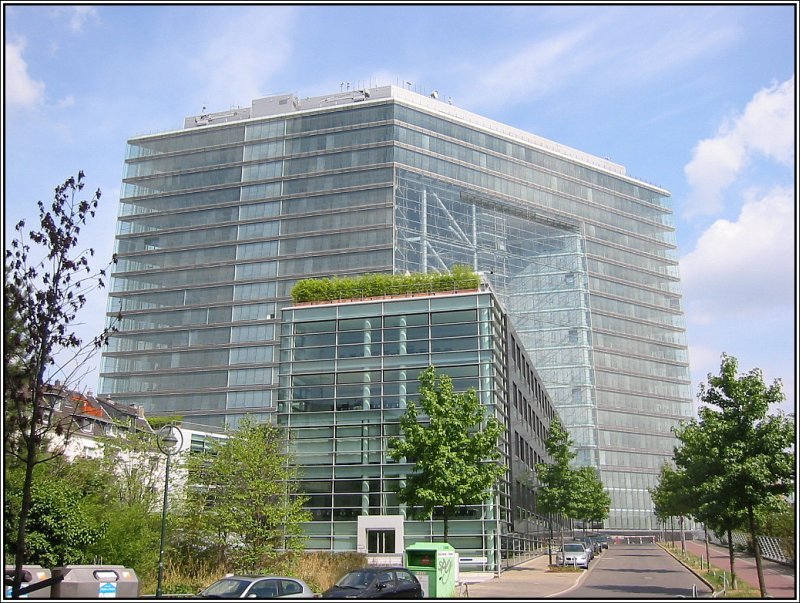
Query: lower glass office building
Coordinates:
[348,371]
[219,219]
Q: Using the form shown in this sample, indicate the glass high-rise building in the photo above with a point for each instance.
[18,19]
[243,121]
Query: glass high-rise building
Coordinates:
[219,219]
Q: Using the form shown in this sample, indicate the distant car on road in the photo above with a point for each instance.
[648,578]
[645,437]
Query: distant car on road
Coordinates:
[376,583]
[573,553]
[258,587]
[598,546]
[603,540]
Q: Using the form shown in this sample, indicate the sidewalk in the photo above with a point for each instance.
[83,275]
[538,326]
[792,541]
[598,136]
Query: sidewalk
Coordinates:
[780,579]
[529,580]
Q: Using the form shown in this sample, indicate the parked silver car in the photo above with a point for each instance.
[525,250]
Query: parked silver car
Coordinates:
[573,553]
[588,545]
[258,587]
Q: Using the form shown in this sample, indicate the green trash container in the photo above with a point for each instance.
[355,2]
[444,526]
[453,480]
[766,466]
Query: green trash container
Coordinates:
[95,582]
[31,574]
[435,564]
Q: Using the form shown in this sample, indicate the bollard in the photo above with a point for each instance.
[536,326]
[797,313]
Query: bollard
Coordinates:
[694,591]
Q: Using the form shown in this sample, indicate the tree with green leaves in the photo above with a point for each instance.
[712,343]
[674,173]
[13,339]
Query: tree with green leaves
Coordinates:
[63,522]
[557,481]
[780,523]
[738,458]
[47,279]
[690,488]
[133,468]
[593,502]
[132,457]
[452,445]
[83,510]
[242,500]
[673,497]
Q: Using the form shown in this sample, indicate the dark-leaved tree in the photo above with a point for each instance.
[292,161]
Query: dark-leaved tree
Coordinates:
[46,281]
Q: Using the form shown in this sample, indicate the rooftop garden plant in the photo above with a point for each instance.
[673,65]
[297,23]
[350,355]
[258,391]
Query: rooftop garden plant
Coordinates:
[375,285]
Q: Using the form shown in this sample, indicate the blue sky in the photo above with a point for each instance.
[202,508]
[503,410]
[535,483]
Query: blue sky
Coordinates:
[700,100]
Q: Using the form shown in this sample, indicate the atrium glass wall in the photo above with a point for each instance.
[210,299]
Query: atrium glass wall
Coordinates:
[348,372]
[584,260]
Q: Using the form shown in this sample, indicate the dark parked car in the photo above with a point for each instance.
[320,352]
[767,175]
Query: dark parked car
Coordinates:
[603,541]
[376,583]
[257,587]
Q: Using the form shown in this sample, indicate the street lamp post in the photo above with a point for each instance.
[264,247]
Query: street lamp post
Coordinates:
[169,439]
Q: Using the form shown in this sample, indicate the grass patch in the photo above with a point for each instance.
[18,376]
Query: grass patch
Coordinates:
[717,577]
[563,569]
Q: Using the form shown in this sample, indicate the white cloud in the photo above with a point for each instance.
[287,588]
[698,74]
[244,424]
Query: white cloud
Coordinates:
[236,57]
[21,89]
[670,46]
[79,16]
[743,269]
[534,70]
[768,120]
[67,101]
[738,290]
[766,128]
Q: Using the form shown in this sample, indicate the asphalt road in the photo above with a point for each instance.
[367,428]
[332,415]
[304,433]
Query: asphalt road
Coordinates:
[636,571]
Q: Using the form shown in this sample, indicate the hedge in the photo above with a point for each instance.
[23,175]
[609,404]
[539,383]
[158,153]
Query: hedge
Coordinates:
[374,285]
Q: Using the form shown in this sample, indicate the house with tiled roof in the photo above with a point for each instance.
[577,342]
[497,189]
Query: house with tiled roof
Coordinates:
[82,420]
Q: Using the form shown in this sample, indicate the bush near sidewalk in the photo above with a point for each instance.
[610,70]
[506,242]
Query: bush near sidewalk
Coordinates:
[317,568]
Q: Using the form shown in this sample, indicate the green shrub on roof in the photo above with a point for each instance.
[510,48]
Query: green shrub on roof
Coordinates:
[373,285]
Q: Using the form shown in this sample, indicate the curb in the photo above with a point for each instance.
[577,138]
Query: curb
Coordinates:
[576,584]
[714,593]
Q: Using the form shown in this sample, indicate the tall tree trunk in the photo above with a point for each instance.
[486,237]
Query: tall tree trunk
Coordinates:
[730,554]
[757,548]
[445,515]
[708,553]
[683,534]
[30,462]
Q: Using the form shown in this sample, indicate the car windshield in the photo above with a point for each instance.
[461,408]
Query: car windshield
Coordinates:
[226,588]
[356,579]
[574,548]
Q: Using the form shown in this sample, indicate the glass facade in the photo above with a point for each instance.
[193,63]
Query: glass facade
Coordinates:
[217,223]
[347,374]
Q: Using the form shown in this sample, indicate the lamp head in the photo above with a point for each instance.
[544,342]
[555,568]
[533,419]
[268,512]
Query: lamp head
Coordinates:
[168,438]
